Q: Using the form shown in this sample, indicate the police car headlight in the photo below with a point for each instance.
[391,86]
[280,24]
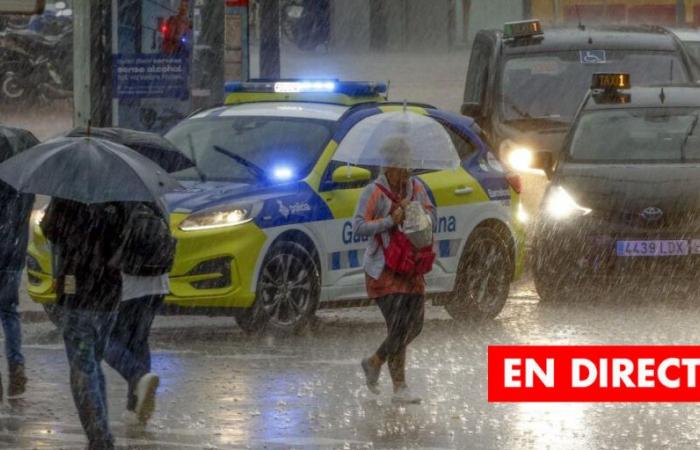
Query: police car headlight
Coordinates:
[220,217]
[518,157]
[560,205]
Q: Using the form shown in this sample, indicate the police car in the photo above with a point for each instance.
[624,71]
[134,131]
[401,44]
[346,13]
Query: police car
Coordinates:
[524,83]
[264,229]
[623,201]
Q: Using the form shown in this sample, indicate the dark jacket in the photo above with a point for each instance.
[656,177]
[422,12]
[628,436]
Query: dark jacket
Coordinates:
[84,238]
[15,209]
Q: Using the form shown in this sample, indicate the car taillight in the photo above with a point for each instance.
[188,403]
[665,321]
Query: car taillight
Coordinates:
[515,182]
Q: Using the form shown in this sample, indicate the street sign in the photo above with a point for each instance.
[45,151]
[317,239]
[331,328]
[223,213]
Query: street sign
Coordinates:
[22,6]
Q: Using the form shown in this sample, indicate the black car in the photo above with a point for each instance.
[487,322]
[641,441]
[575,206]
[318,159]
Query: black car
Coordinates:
[524,84]
[623,205]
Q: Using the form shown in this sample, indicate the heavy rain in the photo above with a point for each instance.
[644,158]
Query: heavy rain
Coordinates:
[315,223]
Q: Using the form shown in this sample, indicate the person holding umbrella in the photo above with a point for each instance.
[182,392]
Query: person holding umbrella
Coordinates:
[144,260]
[89,180]
[394,266]
[399,295]
[14,235]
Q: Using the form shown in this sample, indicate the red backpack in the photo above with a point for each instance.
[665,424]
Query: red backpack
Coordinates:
[401,256]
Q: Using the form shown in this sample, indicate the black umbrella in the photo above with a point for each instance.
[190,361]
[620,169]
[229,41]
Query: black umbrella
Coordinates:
[14,140]
[87,170]
[151,145]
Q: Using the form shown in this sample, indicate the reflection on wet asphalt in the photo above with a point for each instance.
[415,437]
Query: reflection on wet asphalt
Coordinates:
[222,389]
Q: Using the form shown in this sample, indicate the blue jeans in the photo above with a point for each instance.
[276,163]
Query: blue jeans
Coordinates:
[128,351]
[85,334]
[9,298]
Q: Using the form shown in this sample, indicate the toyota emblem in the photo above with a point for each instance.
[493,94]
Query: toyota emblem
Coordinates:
[652,214]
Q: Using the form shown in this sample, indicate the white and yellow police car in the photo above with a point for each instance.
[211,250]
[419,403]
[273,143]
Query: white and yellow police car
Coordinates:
[264,229]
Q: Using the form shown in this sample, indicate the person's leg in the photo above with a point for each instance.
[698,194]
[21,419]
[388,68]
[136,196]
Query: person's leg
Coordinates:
[9,299]
[84,336]
[372,366]
[128,351]
[412,313]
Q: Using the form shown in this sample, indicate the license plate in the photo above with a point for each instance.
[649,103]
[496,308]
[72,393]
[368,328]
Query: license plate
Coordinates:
[653,248]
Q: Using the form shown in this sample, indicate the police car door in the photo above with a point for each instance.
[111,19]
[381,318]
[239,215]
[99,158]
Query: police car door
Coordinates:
[457,195]
[344,276]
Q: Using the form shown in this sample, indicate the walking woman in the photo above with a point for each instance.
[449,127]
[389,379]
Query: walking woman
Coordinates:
[400,296]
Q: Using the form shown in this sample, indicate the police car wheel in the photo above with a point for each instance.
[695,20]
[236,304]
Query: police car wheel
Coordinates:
[55,314]
[483,278]
[287,294]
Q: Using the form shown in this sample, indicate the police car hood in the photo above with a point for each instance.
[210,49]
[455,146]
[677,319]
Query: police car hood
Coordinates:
[671,187]
[199,195]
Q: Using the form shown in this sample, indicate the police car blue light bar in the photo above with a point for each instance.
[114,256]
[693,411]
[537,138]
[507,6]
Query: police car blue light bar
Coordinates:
[522,29]
[304,86]
[350,88]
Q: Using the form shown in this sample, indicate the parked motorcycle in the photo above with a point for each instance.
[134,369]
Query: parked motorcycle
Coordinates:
[34,67]
[306,23]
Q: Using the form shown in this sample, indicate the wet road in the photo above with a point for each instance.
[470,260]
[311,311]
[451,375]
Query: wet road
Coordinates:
[222,389]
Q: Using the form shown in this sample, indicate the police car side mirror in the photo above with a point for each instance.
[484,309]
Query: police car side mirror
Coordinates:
[543,161]
[472,110]
[350,175]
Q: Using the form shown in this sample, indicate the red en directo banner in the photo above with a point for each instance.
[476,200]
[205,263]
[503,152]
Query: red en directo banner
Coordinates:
[232,3]
[521,373]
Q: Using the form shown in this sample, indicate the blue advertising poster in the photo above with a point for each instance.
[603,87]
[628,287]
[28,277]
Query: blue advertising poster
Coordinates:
[151,76]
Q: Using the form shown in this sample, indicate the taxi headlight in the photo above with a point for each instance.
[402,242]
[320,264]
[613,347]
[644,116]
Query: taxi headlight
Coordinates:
[518,157]
[560,205]
[221,217]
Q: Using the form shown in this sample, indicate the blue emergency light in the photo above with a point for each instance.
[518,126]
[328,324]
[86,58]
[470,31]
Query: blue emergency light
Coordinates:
[349,88]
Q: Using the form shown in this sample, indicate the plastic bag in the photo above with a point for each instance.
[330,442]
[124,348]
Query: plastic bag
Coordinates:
[418,225]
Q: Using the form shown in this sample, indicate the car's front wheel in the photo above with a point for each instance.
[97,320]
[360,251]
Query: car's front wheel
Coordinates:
[483,278]
[287,294]
[557,277]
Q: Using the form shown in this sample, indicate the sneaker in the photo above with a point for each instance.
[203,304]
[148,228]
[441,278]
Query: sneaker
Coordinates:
[18,382]
[371,375]
[403,395]
[146,397]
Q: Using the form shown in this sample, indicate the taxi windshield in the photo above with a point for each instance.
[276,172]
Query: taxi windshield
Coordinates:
[549,88]
[251,149]
[637,135]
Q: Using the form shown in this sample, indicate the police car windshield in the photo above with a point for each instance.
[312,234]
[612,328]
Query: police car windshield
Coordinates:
[637,136]
[549,87]
[251,149]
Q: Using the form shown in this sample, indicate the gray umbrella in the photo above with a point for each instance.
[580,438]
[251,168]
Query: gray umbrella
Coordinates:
[14,140]
[87,170]
[154,147]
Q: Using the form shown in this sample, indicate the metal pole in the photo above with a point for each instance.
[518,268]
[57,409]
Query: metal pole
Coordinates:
[81,62]
[680,12]
[459,22]
[92,62]
[269,39]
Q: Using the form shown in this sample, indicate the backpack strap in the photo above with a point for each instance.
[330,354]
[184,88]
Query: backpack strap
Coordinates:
[394,199]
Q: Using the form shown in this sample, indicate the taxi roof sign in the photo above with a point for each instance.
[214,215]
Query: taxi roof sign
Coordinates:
[610,81]
[522,29]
